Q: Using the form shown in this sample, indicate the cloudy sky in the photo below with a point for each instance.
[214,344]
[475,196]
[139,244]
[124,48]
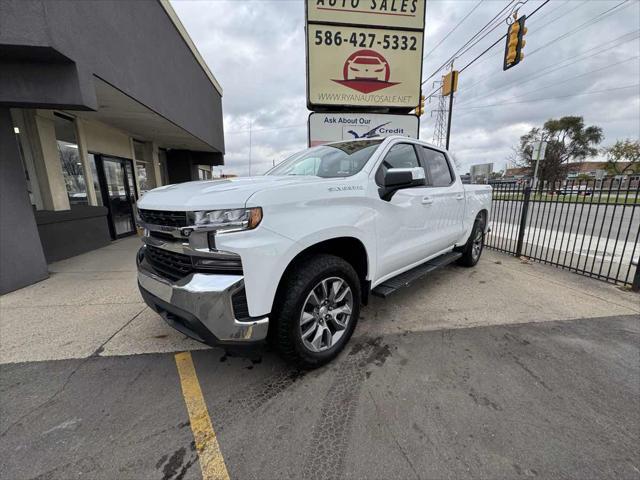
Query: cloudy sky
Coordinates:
[256,50]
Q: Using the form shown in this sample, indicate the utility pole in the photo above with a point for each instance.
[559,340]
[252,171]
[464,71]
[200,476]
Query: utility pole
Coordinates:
[450,107]
[250,125]
[449,87]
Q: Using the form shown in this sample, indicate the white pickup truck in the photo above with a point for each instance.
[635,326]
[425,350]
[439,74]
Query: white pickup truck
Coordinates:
[290,256]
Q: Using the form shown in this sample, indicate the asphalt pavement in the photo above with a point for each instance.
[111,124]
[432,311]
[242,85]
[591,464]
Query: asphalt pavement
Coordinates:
[606,220]
[547,400]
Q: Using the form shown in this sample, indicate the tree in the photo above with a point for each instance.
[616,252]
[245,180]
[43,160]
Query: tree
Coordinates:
[567,140]
[623,157]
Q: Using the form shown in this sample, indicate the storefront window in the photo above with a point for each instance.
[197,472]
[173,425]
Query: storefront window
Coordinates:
[144,168]
[204,173]
[145,177]
[74,177]
[96,182]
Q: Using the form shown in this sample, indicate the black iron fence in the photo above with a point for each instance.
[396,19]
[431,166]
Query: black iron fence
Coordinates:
[588,227]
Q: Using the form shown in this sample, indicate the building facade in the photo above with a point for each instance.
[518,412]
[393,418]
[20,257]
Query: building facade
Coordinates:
[99,102]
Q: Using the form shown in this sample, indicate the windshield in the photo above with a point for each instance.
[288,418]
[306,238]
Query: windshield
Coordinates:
[333,160]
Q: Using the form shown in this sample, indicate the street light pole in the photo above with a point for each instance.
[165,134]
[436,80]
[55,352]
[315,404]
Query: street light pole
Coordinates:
[250,125]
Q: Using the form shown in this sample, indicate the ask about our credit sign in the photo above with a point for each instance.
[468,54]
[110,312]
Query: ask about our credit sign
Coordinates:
[382,13]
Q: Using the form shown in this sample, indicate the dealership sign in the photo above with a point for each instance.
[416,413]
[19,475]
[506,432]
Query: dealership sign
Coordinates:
[381,13]
[375,65]
[333,127]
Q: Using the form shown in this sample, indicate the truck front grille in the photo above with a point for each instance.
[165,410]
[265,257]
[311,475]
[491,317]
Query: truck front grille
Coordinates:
[171,265]
[174,266]
[163,217]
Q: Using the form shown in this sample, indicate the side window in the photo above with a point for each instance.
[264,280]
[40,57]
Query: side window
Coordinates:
[439,171]
[401,155]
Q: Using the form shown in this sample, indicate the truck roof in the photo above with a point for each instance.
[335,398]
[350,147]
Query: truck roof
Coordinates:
[395,137]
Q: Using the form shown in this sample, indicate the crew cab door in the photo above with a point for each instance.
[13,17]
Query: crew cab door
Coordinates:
[400,221]
[446,200]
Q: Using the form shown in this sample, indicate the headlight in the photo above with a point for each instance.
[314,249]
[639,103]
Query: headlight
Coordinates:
[229,220]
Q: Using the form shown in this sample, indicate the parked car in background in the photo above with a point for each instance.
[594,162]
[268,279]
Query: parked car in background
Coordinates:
[575,190]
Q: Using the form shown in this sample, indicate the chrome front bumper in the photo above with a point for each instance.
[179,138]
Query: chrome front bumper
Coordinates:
[200,306]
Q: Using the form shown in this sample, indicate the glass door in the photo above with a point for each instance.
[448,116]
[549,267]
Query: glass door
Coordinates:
[116,179]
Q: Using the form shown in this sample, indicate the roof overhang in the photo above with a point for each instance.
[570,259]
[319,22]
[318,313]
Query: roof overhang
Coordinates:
[118,110]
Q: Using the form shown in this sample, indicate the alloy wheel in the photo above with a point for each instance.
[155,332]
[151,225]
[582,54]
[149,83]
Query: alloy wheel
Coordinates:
[326,314]
[476,246]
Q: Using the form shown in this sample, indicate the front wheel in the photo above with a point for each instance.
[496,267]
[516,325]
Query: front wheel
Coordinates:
[318,310]
[474,246]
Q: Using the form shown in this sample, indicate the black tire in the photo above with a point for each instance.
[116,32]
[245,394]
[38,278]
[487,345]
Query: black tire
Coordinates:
[470,256]
[291,299]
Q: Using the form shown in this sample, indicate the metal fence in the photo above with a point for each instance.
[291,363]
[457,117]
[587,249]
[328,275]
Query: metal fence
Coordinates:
[589,227]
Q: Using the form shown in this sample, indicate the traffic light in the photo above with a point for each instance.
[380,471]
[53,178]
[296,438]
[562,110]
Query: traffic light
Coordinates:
[515,43]
[420,108]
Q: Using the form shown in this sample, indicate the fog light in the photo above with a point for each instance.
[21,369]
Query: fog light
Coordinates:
[140,255]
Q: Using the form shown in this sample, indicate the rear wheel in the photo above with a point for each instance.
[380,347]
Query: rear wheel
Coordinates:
[474,246]
[318,309]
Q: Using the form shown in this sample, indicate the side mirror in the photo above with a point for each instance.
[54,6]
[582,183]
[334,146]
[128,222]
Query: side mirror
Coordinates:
[398,178]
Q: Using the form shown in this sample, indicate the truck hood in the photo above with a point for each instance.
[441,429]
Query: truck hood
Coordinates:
[215,194]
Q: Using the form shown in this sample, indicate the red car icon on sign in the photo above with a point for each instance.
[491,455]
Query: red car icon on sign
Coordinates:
[366,71]
[366,68]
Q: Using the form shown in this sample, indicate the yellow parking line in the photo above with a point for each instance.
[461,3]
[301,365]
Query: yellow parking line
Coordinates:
[211,461]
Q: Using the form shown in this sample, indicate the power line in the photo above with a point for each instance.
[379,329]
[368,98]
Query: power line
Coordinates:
[637,85]
[551,11]
[502,38]
[555,67]
[563,15]
[588,23]
[534,21]
[584,25]
[626,60]
[487,25]
[494,44]
[475,40]
[454,29]
[617,41]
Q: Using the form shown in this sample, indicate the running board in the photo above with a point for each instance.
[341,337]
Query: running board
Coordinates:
[405,279]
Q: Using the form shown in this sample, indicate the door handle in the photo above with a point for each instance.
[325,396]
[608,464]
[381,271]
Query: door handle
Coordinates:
[460,197]
[427,200]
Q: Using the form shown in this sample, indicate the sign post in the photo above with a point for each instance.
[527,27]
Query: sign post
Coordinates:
[538,152]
